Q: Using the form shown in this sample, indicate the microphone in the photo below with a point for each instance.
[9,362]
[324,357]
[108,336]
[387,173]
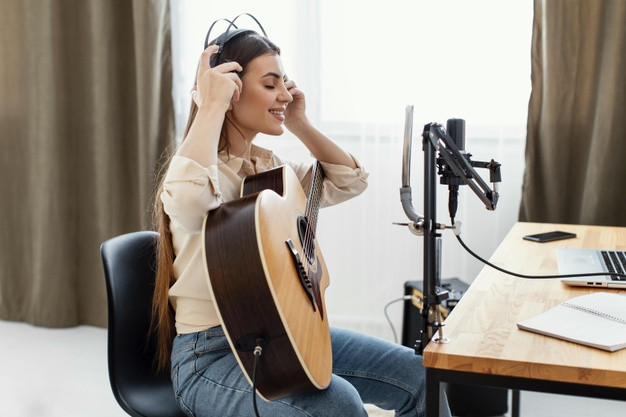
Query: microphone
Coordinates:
[456,130]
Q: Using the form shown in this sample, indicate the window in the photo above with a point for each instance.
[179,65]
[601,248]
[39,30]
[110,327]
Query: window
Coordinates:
[447,58]
[359,64]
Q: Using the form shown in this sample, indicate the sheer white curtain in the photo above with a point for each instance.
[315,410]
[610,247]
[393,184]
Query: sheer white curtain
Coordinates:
[359,67]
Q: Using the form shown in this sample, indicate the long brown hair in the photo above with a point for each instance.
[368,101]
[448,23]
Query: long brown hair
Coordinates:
[242,49]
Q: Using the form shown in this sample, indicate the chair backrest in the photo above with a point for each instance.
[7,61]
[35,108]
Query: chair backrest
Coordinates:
[129,269]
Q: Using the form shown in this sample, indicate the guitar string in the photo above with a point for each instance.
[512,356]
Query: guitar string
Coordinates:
[318,195]
[309,208]
[305,241]
[319,178]
[312,209]
[312,221]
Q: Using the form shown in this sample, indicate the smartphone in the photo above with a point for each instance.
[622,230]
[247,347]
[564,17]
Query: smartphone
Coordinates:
[549,236]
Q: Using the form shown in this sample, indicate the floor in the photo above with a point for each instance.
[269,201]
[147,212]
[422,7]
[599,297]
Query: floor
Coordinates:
[62,373]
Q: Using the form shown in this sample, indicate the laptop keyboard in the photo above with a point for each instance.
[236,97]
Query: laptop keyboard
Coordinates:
[615,261]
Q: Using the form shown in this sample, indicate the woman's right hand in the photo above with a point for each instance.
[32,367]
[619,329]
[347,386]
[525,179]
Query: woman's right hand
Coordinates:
[216,86]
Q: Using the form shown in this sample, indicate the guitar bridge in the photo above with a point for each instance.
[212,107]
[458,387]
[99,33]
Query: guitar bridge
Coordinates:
[307,285]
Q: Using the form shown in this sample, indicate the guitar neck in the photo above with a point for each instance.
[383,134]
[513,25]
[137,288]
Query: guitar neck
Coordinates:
[314,197]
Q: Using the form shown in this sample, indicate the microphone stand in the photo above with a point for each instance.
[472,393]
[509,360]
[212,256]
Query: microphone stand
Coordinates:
[456,168]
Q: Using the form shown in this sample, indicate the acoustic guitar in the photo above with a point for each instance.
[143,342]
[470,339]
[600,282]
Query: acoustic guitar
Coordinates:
[267,279]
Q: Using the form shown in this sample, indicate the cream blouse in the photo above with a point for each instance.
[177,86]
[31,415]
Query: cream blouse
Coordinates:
[191,190]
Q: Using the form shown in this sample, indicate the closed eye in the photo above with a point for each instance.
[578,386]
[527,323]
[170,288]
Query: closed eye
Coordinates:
[270,87]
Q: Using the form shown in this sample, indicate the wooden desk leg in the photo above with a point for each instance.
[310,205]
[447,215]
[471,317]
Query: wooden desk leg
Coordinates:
[515,397]
[433,393]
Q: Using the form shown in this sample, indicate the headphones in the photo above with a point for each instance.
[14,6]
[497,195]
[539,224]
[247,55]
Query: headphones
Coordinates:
[227,36]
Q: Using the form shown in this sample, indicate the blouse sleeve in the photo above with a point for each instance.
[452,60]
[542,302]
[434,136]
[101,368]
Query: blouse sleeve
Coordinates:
[341,182]
[189,192]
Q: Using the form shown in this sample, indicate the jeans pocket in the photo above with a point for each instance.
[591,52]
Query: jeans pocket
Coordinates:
[183,344]
[178,393]
[211,341]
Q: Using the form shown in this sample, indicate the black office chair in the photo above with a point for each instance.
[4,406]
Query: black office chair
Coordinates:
[129,269]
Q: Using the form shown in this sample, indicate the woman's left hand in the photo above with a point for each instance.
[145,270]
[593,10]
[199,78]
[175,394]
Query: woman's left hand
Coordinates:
[296,110]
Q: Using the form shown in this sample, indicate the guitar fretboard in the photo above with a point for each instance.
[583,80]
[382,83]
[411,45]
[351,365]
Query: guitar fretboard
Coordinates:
[312,207]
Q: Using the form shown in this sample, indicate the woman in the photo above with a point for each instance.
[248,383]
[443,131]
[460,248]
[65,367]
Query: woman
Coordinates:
[232,102]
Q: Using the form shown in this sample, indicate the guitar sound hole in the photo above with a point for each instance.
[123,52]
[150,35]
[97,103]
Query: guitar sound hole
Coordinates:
[306,239]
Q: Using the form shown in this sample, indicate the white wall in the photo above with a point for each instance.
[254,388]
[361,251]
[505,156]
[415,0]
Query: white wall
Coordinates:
[359,67]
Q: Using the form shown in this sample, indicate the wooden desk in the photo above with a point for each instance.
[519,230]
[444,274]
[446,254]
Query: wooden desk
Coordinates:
[487,348]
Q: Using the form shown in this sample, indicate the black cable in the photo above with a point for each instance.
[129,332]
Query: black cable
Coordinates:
[393,329]
[258,350]
[515,274]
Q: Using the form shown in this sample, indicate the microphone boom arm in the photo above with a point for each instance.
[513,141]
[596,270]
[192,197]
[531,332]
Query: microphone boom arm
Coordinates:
[462,166]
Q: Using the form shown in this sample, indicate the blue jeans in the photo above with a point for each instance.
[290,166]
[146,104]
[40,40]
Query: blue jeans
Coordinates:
[208,382]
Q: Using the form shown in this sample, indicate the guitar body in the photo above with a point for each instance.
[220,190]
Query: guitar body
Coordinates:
[258,291]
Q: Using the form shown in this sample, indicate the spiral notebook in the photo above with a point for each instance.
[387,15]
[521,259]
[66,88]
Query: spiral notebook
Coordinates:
[597,320]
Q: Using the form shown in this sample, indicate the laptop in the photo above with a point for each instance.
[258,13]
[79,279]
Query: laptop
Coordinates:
[580,261]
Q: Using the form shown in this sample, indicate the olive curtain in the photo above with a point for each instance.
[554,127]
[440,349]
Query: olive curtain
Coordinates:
[85,114]
[576,139]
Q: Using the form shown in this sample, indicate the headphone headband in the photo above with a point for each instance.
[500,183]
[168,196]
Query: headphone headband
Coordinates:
[206,39]
[228,35]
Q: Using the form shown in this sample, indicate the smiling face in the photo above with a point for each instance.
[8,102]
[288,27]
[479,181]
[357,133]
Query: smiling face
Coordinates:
[263,99]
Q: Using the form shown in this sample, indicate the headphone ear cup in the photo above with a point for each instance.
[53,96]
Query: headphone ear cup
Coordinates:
[222,40]
[215,60]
